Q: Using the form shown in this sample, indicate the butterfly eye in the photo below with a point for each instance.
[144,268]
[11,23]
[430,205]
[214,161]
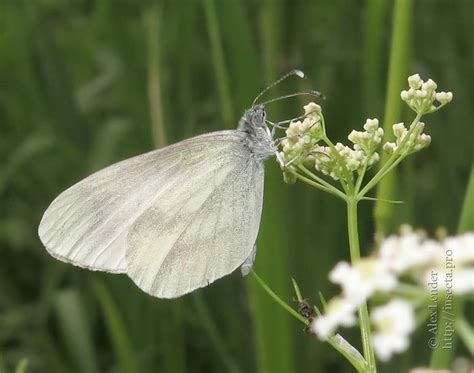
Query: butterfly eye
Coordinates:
[258,116]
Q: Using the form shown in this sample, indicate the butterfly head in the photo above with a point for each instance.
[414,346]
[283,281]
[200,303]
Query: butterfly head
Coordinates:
[258,136]
[253,118]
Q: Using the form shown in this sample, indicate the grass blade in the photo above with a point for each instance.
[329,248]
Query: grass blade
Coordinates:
[398,68]
[219,64]
[466,222]
[126,356]
[153,22]
[75,329]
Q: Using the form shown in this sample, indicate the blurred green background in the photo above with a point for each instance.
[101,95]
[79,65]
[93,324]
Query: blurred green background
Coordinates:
[86,83]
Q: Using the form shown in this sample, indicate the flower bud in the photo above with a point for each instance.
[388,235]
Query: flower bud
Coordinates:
[399,129]
[414,81]
[389,147]
[444,97]
[371,125]
[429,86]
[312,108]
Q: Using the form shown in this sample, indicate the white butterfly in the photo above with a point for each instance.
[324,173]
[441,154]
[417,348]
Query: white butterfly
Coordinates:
[174,219]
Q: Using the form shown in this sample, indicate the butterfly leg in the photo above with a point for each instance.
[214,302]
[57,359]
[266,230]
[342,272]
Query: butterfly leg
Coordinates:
[248,264]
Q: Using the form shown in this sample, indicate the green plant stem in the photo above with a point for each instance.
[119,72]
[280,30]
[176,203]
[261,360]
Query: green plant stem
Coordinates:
[360,177]
[351,354]
[333,191]
[336,341]
[280,301]
[320,180]
[363,311]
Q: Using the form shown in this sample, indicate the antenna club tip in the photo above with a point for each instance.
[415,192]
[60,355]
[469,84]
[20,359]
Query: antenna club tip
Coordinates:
[318,94]
[299,73]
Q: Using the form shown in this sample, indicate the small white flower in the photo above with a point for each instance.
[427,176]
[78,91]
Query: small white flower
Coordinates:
[419,93]
[399,130]
[374,158]
[379,133]
[371,125]
[312,108]
[420,126]
[429,86]
[389,147]
[414,81]
[339,312]
[355,136]
[423,141]
[444,97]
[393,322]
[404,95]
[363,279]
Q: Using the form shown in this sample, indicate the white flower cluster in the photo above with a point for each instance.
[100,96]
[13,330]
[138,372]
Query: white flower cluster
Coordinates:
[362,154]
[409,255]
[421,95]
[301,145]
[306,142]
[417,139]
[301,136]
[370,139]
[451,258]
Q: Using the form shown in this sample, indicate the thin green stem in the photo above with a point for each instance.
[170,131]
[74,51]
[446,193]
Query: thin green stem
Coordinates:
[349,352]
[299,297]
[360,177]
[379,199]
[320,180]
[280,301]
[336,341]
[352,224]
[331,190]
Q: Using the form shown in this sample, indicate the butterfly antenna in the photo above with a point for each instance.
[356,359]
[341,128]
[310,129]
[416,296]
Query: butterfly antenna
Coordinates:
[310,93]
[291,73]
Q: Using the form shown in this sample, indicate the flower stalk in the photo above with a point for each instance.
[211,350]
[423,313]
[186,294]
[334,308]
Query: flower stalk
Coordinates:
[364,321]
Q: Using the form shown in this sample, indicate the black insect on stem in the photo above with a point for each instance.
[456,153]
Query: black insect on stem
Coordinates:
[305,309]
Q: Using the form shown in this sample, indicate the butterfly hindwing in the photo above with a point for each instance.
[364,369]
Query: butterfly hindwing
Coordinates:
[202,230]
